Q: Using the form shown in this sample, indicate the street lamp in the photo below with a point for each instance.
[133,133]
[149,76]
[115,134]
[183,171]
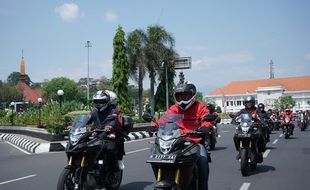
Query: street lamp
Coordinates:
[88,45]
[12,104]
[60,94]
[40,104]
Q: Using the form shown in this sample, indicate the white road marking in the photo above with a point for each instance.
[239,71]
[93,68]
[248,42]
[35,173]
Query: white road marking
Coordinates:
[266,153]
[140,150]
[245,186]
[225,131]
[18,148]
[275,141]
[17,179]
[281,135]
[139,140]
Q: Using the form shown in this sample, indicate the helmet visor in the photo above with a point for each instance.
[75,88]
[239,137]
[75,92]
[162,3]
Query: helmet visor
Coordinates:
[183,96]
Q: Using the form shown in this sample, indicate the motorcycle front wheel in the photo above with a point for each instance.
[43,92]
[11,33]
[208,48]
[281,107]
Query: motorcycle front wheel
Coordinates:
[66,180]
[244,163]
[118,176]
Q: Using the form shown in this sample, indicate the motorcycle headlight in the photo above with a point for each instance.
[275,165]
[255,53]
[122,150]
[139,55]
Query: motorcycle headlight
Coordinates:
[165,146]
[75,138]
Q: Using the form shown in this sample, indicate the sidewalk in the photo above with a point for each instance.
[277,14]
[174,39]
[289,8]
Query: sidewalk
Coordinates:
[25,138]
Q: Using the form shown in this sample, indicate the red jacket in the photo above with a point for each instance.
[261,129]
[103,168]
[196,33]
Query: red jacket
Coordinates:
[192,118]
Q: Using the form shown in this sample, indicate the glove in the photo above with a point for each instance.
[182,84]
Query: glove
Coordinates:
[107,128]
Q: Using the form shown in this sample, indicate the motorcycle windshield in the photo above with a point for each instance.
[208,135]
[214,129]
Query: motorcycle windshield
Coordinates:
[245,121]
[169,126]
[79,124]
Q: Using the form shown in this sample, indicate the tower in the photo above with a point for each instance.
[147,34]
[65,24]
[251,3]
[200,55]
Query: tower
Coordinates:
[22,68]
[271,74]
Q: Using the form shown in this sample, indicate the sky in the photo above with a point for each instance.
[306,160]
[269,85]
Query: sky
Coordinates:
[226,40]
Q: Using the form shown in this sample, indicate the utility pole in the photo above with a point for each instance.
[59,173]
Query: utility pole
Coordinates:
[271,75]
[88,45]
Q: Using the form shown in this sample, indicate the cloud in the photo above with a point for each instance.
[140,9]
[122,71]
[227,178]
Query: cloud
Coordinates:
[110,16]
[238,57]
[68,11]
[307,57]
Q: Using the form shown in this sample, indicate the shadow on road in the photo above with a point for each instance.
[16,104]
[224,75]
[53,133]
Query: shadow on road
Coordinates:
[146,185]
[262,169]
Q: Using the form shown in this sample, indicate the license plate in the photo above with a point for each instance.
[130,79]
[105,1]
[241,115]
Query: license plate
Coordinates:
[161,158]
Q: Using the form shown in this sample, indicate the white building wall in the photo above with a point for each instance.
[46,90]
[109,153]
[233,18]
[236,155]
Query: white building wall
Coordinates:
[231,103]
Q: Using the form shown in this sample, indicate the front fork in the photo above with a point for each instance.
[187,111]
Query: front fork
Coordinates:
[78,178]
[176,178]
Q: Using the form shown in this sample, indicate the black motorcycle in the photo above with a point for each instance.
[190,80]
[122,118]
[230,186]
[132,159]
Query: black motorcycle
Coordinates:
[211,137]
[245,139]
[89,166]
[276,122]
[287,129]
[174,157]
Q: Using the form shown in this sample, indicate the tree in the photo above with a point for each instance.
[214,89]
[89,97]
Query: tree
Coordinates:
[120,73]
[159,44]
[284,102]
[70,88]
[10,93]
[14,78]
[199,96]
[160,96]
[136,42]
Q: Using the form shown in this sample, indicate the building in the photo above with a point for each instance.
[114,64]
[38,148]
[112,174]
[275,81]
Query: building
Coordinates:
[230,97]
[30,95]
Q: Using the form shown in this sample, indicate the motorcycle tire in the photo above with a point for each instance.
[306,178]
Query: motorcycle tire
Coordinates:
[212,146]
[244,164]
[116,185]
[65,181]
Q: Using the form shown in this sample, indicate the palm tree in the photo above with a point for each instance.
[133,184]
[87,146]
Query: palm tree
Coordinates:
[136,42]
[159,42]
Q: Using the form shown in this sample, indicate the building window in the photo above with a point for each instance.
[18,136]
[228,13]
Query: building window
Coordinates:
[239,103]
[231,103]
[227,103]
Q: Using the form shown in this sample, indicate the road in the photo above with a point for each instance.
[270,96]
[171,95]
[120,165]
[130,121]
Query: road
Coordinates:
[285,167]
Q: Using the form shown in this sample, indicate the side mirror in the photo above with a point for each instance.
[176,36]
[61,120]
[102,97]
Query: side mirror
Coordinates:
[209,117]
[147,117]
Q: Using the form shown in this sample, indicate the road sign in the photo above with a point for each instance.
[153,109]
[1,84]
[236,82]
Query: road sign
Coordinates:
[183,63]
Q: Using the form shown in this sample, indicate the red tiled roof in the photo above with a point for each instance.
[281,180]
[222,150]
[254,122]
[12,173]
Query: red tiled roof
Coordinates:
[250,86]
[30,95]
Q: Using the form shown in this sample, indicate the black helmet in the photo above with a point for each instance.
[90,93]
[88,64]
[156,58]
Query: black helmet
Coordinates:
[261,106]
[249,99]
[184,94]
[101,100]
[211,107]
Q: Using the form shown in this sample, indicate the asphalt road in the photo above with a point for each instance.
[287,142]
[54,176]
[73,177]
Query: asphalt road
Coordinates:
[285,167]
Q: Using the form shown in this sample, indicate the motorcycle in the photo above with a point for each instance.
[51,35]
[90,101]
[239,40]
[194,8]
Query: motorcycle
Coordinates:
[245,139]
[174,157]
[211,137]
[287,129]
[276,123]
[89,166]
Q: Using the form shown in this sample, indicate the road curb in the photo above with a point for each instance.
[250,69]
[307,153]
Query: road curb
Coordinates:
[36,147]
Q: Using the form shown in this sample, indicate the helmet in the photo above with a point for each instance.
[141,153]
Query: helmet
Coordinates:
[261,106]
[101,100]
[113,97]
[211,107]
[184,94]
[249,99]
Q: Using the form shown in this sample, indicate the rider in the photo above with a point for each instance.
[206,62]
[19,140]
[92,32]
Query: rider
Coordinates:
[264,117]
[212,111]
[288,113]
[193,111]
[105,102]
[249,106]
